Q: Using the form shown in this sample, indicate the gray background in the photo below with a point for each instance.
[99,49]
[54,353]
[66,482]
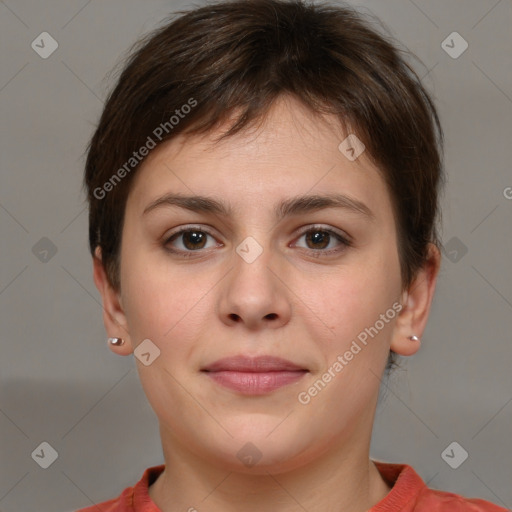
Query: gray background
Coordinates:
[60,383]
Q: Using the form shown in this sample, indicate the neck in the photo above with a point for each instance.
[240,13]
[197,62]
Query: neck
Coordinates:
[343,478]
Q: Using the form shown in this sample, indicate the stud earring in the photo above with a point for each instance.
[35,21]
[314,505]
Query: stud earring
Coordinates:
[414,338]
[116,341]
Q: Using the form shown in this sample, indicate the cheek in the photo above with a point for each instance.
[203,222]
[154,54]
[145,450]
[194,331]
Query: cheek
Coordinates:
[355,351]
[167,309]
[162,303]
[358,295]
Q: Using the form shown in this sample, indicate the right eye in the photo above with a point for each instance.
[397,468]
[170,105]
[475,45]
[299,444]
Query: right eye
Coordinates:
[187,240]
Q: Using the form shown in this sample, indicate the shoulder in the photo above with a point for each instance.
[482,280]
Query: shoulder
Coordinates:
[409,493]
[433,500]
[113,505]
[132,499]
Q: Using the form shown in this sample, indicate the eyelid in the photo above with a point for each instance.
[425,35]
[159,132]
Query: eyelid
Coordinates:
[167,239]
[329,229]
[344,243]
[190,227]
[300,231]
[343,237]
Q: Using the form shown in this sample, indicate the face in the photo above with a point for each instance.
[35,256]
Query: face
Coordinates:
[301,296]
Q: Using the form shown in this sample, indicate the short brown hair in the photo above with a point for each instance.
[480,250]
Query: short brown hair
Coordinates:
[238,57]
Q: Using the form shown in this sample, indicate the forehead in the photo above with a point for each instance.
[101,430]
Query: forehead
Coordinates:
[291,151]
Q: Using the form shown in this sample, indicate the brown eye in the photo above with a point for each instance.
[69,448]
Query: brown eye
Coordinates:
[193,239]
[189,240]
[324,241]
[318,239]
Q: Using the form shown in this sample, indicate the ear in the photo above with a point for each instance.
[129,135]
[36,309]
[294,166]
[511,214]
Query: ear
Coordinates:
[416,302]
[113,314]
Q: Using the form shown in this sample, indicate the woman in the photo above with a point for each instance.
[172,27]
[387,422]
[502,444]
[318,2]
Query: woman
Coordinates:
[263,189]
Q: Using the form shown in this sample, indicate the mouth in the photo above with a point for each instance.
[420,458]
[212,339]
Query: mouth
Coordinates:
[254,375]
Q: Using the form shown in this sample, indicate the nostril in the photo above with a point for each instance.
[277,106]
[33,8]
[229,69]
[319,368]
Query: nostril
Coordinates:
[271,316]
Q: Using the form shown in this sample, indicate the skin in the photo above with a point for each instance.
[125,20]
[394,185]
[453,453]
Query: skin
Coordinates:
[294,301]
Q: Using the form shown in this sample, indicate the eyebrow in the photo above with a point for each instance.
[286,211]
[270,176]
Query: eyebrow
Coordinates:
[293,206]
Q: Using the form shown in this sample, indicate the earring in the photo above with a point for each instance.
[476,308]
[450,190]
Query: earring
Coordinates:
[116,341]
[414,338]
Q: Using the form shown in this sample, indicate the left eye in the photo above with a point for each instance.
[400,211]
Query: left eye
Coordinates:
[319,239]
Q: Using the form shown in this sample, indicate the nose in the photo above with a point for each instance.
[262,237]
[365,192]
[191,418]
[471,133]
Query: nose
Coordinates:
[254,294]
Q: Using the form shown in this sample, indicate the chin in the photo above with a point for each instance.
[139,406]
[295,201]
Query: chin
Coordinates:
[254,451]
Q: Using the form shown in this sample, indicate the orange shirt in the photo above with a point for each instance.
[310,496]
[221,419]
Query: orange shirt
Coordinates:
[408,494]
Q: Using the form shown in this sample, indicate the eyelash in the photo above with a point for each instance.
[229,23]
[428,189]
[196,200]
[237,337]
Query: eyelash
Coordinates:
[186,229]
[345,241]
[317,253]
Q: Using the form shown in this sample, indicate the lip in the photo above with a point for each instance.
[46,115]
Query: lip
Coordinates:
[252,364]
[254,375]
